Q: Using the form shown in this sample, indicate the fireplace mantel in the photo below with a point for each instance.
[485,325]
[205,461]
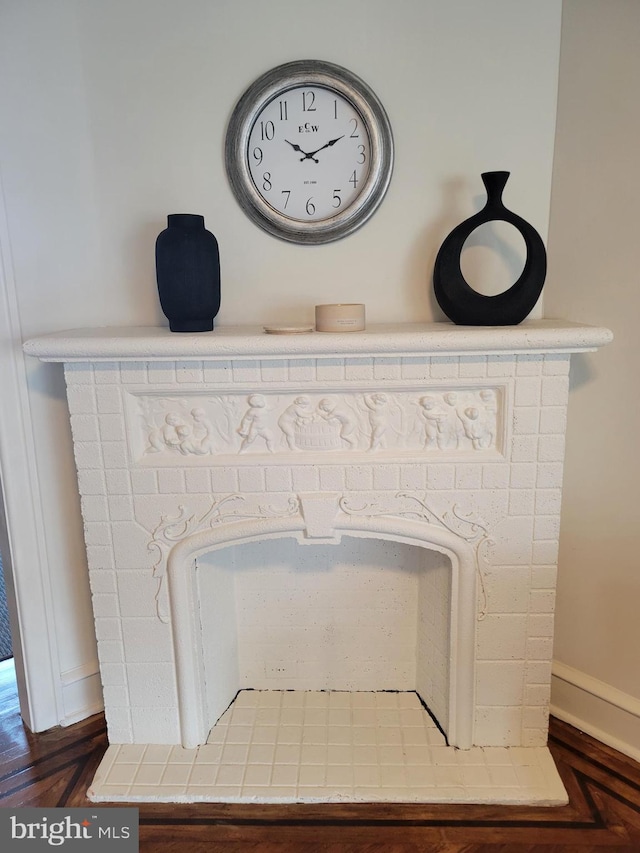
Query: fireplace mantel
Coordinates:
[152,343]
[434,451]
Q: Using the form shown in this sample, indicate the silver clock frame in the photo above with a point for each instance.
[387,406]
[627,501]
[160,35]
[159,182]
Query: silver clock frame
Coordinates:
[275,83]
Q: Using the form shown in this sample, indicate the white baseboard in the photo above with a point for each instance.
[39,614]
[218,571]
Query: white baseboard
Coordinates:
[81,693]
[596,708]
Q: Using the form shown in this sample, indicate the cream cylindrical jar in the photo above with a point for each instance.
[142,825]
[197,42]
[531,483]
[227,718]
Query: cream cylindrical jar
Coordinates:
[340,317]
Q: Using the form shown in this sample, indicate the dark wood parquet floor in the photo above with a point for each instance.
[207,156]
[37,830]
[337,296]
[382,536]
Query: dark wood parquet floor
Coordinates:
[54,768]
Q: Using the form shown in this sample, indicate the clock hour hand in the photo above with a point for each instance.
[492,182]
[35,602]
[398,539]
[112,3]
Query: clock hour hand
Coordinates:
[306,156]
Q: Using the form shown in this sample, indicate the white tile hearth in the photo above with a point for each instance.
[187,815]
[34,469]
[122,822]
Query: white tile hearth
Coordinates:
[276,746]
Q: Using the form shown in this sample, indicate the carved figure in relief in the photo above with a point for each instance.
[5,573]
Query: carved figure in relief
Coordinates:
[254,424]
[331,410]
[432,416]
[185,438]
[203,431]
[295,415]
[488,397]
[188,442]
[475,428]
[378,418]
[490,419]
[450,429]
[166,436]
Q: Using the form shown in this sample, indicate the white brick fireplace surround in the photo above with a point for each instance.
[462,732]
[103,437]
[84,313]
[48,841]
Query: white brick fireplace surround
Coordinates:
[302,522]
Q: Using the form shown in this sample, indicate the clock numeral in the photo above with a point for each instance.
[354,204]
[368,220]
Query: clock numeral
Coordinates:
[336,198]
[353,179]
[267,130]
[361,154]
[335,108]
[288,195]
[308,101]
[266,181]
[310,207]
[353,134]
[257,155]
[283,110]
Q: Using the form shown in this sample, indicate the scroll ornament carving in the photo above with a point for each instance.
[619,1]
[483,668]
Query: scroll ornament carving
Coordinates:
[173,529]
[467,526]
[440,420]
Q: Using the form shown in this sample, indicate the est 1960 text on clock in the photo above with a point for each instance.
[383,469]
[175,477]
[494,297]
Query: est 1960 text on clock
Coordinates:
[309,152]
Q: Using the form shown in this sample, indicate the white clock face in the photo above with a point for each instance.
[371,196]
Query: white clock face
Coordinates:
[308,153]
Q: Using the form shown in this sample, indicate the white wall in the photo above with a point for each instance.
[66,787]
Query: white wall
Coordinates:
[594,263]
[112,115]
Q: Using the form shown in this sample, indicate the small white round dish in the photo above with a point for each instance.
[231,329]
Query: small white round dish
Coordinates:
[288,330]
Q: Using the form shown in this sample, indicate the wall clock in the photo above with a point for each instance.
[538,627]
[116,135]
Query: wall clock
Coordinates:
[309,152]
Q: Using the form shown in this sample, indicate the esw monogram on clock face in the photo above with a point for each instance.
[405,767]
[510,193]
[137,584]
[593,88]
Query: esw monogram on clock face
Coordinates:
[309,153]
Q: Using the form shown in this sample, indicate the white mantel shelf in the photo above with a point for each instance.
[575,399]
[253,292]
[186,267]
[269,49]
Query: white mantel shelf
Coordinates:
[154,343]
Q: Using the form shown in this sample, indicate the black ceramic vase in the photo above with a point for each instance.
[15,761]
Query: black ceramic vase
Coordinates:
[464,305]
[188,273]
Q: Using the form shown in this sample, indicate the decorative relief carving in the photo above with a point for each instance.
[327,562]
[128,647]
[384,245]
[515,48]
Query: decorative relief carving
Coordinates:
[316,511]
[171,530]
[467,526]
[452,420]
[460,420]
[254,424]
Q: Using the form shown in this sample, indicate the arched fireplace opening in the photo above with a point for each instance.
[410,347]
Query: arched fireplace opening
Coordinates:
[366,612]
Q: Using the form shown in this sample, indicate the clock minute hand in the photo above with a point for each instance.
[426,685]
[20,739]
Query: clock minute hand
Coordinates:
[328,145]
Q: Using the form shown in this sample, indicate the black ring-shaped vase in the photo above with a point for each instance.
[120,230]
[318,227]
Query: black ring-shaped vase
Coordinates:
[464,305]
